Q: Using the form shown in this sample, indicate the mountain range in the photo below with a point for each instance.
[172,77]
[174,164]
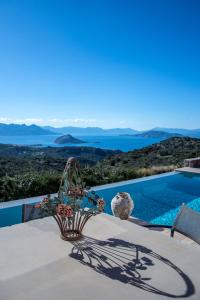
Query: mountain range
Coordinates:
[24,130]
[90,130]
[157,134]
[182,131]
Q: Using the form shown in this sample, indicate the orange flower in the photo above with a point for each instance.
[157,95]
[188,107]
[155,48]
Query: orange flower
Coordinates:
[101,204]
[68,211]
[75,191]
[64,210]
[45,200]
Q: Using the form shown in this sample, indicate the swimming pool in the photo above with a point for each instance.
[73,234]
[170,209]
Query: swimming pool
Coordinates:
[157,198]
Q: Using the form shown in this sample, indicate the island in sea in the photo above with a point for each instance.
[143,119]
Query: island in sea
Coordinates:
[156,134]
[68,139]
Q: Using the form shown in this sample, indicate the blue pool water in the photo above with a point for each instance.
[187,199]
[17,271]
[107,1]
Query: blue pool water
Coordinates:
[157,200]
[10,216]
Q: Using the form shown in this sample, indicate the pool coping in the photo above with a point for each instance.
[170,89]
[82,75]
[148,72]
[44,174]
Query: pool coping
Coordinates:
[36,199]
[136,180]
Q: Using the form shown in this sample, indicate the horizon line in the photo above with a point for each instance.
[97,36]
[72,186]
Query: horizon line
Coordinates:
[85,127]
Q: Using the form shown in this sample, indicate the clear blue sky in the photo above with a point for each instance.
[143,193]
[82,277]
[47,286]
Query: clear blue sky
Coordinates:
[100,63]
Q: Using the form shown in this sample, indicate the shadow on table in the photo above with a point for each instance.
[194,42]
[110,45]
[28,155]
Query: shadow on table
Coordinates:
[127,262]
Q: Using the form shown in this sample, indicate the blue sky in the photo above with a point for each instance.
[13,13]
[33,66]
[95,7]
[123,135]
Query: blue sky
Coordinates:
[100,63]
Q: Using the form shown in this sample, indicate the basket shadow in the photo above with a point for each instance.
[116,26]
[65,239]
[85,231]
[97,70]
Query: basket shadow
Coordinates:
[127,262]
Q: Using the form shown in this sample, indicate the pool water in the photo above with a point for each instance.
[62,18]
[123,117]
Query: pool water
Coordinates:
[10,215]
[157,199]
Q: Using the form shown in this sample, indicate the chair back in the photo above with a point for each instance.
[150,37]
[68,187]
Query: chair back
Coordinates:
[187,222]
[30,212]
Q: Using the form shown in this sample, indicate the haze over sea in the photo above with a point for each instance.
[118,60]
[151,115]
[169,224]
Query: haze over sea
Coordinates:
[123,143]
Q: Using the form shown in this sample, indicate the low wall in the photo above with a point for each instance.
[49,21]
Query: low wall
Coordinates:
[192,162]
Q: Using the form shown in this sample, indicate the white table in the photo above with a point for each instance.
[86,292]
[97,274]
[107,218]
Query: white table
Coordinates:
[116,260]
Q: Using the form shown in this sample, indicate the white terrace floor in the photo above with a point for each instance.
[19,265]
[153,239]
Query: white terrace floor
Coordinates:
[189,170]
[116,260]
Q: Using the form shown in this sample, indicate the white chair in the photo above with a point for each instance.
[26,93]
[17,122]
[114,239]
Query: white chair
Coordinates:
[187,222]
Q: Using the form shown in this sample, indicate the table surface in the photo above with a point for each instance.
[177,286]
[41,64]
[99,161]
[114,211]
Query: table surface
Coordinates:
[116,259]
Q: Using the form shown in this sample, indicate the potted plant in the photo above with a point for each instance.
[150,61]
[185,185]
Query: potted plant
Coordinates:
[74,205]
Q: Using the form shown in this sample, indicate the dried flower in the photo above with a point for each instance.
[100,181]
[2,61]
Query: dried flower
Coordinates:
[45,200]
[64,210]
[76,192]
[100,204]
[38,205]
[68,211]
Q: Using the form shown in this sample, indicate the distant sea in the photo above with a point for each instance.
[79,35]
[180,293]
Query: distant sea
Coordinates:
[123,143]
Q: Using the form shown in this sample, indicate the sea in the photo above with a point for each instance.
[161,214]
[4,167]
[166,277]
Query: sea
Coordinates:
[123,143]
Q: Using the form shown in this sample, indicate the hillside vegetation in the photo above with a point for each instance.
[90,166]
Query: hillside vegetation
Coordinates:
[157,158]
[29,171]
[19,160]
[167,152]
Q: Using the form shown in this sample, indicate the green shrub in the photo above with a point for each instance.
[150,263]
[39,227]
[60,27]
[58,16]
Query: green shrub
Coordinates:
[28,185]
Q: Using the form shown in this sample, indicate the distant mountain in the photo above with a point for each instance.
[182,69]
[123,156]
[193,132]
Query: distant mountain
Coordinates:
[67,139]
[91,130]
[182,131]
[16,129]
[23,130]
[157,134]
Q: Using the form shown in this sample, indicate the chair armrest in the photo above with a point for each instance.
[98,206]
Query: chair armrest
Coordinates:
[157,226]
[161,226]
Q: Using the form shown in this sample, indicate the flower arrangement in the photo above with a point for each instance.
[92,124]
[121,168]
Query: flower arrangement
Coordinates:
[74,205]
